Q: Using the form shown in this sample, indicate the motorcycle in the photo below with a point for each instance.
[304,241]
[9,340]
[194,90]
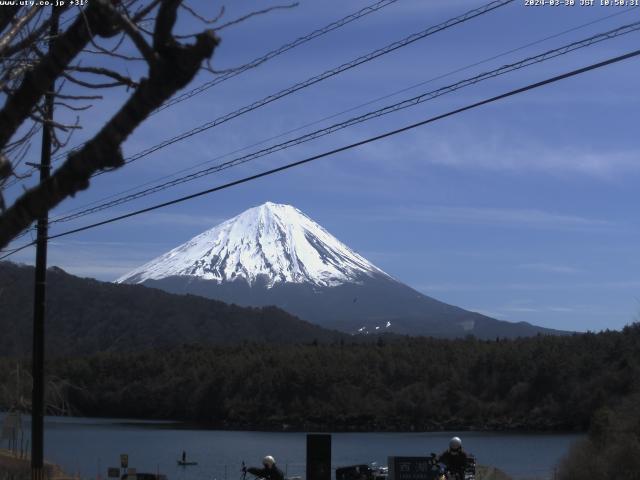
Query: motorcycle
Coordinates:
[439,471]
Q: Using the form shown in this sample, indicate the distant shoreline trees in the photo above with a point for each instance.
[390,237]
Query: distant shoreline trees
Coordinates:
[541,383]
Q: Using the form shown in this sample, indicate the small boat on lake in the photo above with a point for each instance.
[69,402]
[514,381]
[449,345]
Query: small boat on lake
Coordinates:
[183,462]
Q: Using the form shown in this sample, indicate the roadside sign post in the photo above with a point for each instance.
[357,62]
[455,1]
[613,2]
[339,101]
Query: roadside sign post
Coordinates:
[318,456]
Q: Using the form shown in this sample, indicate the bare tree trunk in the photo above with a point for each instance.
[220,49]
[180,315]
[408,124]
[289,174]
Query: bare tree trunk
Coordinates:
[6,15]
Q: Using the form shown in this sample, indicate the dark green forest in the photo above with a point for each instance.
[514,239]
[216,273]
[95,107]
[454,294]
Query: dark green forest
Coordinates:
[85,316]
[539,383]
[612,448]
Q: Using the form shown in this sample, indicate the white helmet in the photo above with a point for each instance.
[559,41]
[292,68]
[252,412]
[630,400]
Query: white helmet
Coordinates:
[455,443]
[269,460]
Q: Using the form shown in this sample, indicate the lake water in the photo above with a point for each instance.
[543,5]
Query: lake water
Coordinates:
[89,446]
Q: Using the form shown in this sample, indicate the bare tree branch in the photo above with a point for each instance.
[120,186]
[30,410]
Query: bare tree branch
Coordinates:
[201,18]
[55,136]
[167,15]
[139,16]
[102,51]
[29,40]
[78,97]
[92,85]
[141,44]
[72,107]
[176,66]
[99,13]
[5,168]
[53,123]
[7,13]
[27,74]
[8,37]
[16,143]
[121,79]
[21,153]
[236,21]
[253,14]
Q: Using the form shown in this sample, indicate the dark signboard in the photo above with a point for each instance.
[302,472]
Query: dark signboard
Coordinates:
[318,456]
[410,468]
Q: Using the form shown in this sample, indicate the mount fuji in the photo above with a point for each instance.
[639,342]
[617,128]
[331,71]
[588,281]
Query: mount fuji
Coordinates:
[274,254]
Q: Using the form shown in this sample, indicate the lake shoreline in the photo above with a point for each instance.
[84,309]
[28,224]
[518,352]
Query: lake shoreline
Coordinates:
[284,427]
[341,428]
[88,446]
[18,467]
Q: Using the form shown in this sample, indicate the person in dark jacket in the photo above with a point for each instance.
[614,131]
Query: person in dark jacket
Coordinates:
[269,472]
[455,458]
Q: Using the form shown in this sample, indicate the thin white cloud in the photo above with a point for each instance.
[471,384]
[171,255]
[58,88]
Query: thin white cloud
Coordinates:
[499,149]
[530,218]
[550,268]
[181,219]
[101,260]
[489,313]
[521,309]
[430,288]
[562,309]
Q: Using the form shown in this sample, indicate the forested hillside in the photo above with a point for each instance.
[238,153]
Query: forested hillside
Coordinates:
[410,383]
[85,316]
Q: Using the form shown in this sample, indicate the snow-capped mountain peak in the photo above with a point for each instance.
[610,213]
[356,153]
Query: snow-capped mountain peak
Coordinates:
[272,243]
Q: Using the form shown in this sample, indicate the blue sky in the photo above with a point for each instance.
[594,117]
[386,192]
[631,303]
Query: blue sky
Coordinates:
[523,209]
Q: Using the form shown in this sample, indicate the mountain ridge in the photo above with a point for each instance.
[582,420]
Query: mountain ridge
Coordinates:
[276,255]
[369,307]
[84,316]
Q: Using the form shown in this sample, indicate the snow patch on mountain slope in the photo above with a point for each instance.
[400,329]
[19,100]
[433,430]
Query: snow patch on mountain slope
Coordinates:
[272,243]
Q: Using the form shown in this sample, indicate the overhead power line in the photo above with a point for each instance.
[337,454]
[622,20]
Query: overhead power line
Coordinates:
[416,100]
[278,51]
[374,7]
[387,134]
[323,76]
[327,74]
[318,78]
[308,82]
[351,109]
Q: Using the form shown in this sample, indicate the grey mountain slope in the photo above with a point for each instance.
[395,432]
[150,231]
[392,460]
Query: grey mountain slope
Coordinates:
[373,302]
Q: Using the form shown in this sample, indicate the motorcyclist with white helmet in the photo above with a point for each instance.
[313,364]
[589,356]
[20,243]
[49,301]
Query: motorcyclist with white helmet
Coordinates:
[270,470]
[455,458]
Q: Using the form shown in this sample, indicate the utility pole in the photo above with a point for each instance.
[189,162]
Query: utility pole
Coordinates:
[37,394]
